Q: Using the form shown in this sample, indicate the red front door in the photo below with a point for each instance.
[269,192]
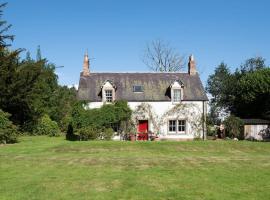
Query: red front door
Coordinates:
[143,130]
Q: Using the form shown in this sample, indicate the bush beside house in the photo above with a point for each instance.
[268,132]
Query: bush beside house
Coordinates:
[98,123]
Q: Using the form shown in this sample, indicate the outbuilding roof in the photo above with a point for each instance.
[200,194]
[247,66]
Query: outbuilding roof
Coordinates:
[255,121]
[156,86]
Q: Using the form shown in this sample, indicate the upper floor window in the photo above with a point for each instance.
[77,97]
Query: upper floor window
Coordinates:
[108,95]
[108,91]
[176,95]
[177,91]
[137,88]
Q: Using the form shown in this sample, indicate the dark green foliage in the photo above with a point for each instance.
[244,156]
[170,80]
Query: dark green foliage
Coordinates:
[46,126]
[8,131]
[217,84]
[252,65]
[253,95]
[29,88]
[99,121]
[234,127]
[106,116]
[245,93]
[63,101]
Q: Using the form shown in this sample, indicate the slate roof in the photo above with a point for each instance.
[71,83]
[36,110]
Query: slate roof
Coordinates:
[255,121]
[156,86]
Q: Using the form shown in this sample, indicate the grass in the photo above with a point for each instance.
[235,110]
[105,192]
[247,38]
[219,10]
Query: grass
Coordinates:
[52,168]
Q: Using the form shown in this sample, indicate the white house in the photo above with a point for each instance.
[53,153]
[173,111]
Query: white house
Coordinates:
[170,104]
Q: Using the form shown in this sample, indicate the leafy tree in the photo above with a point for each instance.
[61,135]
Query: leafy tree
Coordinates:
[29,92]
[29,88]
[234,127]
[218,86]
[244,93]
[253,94]
[252,65]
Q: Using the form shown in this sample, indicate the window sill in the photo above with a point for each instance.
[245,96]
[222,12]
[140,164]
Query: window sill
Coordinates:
[177,133]
[176,103]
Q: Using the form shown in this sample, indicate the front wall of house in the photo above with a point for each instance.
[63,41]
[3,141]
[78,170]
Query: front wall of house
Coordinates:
[158,114]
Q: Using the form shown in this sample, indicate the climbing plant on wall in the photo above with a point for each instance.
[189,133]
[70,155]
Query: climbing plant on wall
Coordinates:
[190,112]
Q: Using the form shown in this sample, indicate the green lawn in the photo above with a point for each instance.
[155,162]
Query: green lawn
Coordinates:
[52,168]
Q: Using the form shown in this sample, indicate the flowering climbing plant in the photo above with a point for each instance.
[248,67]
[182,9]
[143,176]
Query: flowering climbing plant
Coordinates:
[190,112]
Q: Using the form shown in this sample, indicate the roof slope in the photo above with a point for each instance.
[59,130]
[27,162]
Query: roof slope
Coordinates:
[255,121]
[156,86]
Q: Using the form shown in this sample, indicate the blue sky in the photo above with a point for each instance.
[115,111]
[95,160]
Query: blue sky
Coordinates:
[116,32]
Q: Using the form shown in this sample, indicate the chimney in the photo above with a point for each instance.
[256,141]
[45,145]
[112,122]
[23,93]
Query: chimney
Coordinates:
[86,71]
[192,66]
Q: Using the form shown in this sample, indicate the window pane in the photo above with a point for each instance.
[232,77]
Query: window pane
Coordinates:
[176,95]
[181,125]
[137,88]
[172,125]
[108,95]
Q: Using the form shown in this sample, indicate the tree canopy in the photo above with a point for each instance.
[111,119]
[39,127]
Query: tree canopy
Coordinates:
[29,88]
[244,93]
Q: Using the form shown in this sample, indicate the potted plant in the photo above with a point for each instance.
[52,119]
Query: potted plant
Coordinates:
[132,136]
[132,132]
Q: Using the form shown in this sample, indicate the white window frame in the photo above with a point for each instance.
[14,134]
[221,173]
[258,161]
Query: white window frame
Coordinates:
[176,86]
[181,125]
[175,98]
[107,96]
[177,125]
[107,86]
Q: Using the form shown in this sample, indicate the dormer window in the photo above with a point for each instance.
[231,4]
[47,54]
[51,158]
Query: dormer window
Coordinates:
[108,91]
[137,88]
[176,91]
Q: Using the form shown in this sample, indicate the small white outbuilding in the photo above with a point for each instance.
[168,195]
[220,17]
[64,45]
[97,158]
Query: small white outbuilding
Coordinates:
[253,128]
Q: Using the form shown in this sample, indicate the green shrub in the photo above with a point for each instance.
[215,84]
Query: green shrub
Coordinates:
[234,127]
[8,131]
[46,126]
[88,133]
[107,133]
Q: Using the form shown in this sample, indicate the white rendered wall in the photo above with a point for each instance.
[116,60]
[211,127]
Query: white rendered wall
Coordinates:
[159,108]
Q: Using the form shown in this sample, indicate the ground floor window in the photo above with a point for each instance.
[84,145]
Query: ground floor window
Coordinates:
[177,126]
[172,125]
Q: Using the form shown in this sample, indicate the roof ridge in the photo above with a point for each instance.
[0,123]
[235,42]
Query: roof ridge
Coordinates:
[138,72]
